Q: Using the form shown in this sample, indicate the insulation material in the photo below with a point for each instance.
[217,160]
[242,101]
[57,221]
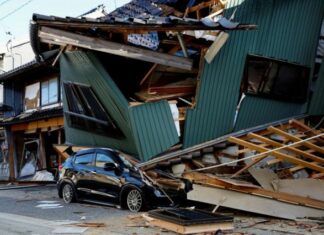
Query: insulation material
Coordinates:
[175,115]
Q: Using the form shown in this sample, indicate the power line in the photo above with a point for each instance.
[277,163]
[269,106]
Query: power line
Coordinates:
[4,2]
[14,11]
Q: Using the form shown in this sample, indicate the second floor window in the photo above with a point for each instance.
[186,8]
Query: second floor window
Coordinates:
[49,92]
[41,94]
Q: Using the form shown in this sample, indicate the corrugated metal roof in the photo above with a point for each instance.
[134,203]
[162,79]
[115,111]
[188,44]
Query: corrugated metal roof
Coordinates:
[317,101]
[287,30]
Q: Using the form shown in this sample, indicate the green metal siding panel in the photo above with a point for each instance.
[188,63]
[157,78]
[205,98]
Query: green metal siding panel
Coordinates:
[153,127]
[84,68]
[271,110]
[317,102]
[287,30]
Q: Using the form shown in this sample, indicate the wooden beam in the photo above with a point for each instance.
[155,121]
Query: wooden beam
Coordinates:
[292,149]
[154,67]
[274,153]
[135,28]
[306,129]
[216,46]
[51,122]
[60,37]
[294,138]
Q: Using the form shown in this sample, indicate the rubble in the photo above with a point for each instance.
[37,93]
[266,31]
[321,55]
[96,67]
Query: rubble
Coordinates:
[251,182]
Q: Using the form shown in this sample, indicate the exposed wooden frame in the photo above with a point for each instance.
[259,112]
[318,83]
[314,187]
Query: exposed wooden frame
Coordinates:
[61,37]
[294,138]
[277,154]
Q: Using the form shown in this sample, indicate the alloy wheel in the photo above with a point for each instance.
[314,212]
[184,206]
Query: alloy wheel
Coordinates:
[134,200]
[67,193]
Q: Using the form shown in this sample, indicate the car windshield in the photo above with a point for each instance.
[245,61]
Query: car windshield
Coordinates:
[125,161]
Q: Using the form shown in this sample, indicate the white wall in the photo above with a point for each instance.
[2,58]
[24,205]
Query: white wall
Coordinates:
[17,53]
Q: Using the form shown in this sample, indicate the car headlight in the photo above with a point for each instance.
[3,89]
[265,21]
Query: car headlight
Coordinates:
[157,193]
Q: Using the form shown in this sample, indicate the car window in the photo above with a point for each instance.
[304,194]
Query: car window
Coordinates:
[103,158]
[85,159]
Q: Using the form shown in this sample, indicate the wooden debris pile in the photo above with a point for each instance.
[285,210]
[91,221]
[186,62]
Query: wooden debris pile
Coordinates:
[276,171]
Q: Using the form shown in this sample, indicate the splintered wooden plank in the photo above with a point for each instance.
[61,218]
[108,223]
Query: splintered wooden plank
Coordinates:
[306,129]
[276,154]
[296,139]
[292,149]
[59,37]
[216,46]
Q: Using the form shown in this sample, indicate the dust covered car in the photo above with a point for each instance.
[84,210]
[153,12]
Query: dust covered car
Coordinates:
[105,176]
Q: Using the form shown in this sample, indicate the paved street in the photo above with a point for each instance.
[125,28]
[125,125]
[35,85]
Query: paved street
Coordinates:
[38,210]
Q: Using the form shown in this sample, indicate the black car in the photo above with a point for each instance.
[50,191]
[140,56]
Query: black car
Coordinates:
[104,176]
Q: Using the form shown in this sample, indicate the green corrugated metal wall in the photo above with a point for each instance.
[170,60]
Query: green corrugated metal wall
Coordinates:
[317,103]
[153,116]
[287,30]
[149,128]
[84,68]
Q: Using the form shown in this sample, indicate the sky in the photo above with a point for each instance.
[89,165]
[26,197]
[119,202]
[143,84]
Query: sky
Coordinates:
[15,15]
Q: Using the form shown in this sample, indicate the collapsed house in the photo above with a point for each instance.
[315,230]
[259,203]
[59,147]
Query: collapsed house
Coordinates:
[139,96]
[142,69]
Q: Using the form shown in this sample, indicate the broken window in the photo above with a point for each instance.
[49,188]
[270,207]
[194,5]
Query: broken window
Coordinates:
[49,92]
[32,99]
[87,113]
[30,161]
[275,79]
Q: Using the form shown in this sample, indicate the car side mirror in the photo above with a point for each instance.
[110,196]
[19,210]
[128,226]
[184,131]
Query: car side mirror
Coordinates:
[111,166]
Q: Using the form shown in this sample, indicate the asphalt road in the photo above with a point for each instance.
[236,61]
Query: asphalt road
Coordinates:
[38,210]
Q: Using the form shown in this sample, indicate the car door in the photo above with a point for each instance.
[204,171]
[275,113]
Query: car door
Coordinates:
[84,170]
[107,183]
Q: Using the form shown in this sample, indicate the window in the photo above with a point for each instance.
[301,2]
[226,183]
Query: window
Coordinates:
[85,159]
[41,94]
[102,158]
[49,92]
[32,101]
[275,79]
[87,113]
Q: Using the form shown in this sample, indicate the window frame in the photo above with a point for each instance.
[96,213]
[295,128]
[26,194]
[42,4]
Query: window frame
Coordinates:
[303,84]
[83,154]
[81,116]
[40,82]
[57,91]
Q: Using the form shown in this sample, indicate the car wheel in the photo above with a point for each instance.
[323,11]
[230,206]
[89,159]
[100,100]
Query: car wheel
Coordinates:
[134,200]
[68,193]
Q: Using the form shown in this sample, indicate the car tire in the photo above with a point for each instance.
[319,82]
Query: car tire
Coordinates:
[134,200]
[68,193]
